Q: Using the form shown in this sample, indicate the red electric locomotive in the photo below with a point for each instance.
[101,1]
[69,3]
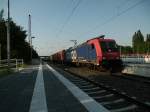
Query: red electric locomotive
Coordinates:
[98,52]
[107,53]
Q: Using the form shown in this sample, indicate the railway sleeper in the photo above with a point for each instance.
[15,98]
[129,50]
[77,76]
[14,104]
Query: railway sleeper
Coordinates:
[125,109]
[131,103]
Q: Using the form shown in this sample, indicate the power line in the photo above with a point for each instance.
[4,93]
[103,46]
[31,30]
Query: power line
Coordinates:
[115,16]
[122,3]
[133,6]
[68,18]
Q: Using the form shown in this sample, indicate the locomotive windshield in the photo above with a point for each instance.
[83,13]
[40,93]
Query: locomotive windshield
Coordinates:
[109,46]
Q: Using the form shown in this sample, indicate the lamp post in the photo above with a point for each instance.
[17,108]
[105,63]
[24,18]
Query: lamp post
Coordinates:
[31,47]
[8,36]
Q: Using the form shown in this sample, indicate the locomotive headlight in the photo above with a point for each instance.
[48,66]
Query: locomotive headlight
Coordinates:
[104,58]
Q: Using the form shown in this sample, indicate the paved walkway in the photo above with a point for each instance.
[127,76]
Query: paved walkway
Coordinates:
[42,89]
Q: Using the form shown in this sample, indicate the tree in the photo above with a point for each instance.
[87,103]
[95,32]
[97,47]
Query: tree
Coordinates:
[18,46]
[134,39]
[125,49]
[1,14]
[147,42]
[3,42]
[138,43]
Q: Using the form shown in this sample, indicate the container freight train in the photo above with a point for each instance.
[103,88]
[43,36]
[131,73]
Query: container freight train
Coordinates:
[98,52]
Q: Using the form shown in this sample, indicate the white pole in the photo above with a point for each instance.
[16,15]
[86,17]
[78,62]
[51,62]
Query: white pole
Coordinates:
[30,38]
[29,32]
[8,37]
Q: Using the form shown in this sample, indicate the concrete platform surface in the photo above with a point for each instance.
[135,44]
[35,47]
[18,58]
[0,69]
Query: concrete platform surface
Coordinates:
[39,88]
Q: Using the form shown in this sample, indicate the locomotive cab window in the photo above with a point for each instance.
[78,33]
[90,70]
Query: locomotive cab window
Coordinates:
[103,46]
[112,46]
[92,46]
[109,46]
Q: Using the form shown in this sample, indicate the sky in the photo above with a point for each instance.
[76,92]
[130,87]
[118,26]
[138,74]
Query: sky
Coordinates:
[56,22]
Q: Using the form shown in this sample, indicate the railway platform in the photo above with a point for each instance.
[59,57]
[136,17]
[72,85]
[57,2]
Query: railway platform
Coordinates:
[63,96]
[59,98]
[42,89]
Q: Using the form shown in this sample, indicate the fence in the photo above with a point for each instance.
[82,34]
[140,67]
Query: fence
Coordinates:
[136,59]
[14,63]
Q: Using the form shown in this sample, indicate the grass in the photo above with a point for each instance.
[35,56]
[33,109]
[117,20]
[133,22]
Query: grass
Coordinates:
[5,72]
[25,65]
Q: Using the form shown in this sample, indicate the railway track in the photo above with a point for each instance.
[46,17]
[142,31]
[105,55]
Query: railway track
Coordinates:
[107,96]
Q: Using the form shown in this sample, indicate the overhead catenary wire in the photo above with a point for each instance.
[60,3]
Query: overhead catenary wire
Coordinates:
[68,18]
[133,6]
[123,3]
[114,17]
[105,22]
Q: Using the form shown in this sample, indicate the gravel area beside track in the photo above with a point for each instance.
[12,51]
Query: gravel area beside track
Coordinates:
[133,88]
[136,89]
